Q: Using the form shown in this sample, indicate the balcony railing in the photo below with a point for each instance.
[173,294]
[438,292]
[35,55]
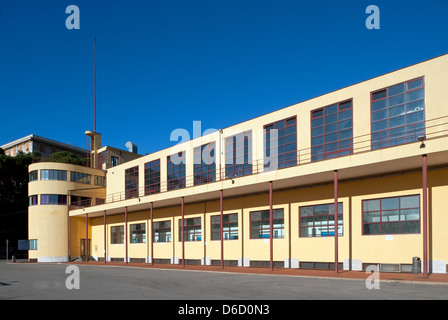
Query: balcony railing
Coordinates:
[434,128]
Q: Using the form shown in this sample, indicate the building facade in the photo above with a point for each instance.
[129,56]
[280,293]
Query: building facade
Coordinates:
[264,192]
[46,147]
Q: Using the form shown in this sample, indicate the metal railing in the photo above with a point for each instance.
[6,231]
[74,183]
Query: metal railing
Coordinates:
[434,128]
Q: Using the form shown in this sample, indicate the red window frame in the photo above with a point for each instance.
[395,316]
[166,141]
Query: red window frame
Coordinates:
[238,160]
[286,139]
[161,230]
[323,218]
[117,234]
[411,131]
[131,182]
[176,172]
[333,119]
[261,226]
[204,165]
[192,229]
[152,177]
[399,210]
[215,227]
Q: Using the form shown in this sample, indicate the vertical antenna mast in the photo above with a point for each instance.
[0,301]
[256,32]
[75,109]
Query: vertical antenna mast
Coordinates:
[94,87]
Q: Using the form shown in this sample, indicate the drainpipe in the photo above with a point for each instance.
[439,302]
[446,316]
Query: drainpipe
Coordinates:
[87,238]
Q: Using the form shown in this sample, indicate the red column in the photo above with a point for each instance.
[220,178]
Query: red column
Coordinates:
[183,234]
[105,247]
[222,231]
[151,236]
[271,222]
[336,253]
[126,232]
[87,238]
[425,214]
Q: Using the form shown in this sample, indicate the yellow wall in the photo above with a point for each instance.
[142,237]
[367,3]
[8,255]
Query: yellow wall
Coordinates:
[397,248]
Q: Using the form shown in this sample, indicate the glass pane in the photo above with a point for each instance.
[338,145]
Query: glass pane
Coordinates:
[414,95]
[371,205]
[389,203]
[396,100]
[415,84]
[378,105]
[397,89]
[409,214]
[379,95]
[371,228]
[410,202]
[410,227]
[371,217]
[331,109]
[390,228]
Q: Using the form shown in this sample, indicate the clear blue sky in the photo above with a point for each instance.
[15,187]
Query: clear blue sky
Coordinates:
[163,64]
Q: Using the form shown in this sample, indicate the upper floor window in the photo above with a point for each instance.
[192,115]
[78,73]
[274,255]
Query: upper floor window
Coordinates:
[398,114]
[33,200]
[332,131]
[204,164]
[60,175]
[152,177]
[114,161]
[33,175]
[239,155]
[131,182]
[280,144]
[176,171]
[99,181]
[53,199]
[80,177]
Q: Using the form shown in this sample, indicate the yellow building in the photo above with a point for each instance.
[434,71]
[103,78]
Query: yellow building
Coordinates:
[264,192]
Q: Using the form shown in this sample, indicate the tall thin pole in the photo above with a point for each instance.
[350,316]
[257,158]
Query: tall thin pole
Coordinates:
[105,238]
[151,236]
[183,234]
[425,214]
[126,232]
[336,232]
[222,231]
[271,227]
[94,86]
[87,238]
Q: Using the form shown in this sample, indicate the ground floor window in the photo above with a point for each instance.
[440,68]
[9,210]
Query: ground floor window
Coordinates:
[33,244]
[192,229]
[318,220]
[260,224]
[117,234]
[229,227]
[397,215]
[162,231]
[138,233]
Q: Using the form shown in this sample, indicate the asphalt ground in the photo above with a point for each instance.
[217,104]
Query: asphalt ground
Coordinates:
[118,281]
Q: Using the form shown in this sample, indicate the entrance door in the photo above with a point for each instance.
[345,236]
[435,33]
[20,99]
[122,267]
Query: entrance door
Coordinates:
[85,250]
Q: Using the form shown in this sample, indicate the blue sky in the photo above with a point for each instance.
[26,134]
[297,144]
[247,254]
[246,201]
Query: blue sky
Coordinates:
[163,64]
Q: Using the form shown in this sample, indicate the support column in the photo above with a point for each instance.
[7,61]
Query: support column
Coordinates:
[126,233]
[425,214]
[151,237]
[87,238]
[222,231]
[271,227]
[105,238]
[336,233]
[183,234]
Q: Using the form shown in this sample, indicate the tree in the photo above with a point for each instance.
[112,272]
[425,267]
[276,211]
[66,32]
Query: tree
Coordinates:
[65,157]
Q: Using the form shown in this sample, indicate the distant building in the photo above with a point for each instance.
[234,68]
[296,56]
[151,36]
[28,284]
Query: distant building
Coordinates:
[45,146]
